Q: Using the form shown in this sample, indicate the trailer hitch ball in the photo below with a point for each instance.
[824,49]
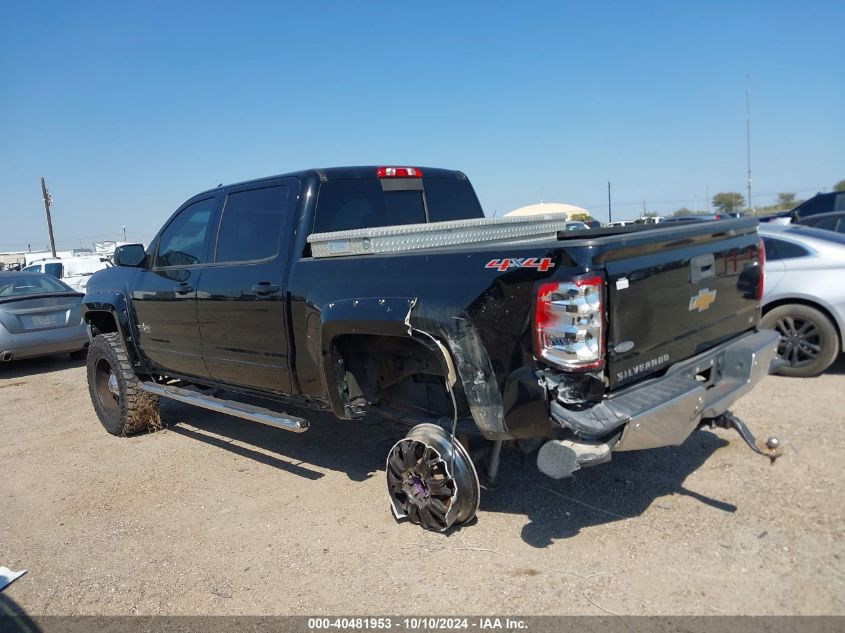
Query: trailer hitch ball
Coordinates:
[771,448]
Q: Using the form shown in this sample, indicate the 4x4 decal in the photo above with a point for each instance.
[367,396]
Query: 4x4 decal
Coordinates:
[541,264]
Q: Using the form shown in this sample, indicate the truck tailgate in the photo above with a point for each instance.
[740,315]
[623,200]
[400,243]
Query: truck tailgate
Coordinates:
[677,291]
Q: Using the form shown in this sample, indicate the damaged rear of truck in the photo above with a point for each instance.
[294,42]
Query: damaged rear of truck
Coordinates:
[474,332]
[585,344]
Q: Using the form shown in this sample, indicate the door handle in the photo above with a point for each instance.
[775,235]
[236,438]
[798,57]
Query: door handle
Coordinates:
[265,288]
[183,289]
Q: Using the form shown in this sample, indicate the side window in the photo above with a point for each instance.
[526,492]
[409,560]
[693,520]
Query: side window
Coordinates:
[815,205]
[828,223]
[32,269]
[183,241]
[771,249]
[781,249]
[251,225]
[54,270]
[839,204]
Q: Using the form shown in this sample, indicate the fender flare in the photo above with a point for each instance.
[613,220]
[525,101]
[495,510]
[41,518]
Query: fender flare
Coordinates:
[113,303]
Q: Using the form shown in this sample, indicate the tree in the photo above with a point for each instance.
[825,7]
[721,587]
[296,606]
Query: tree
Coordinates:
[581,217]
[786,200]
[839,186]
[651,214]
[682,212]
[728,201]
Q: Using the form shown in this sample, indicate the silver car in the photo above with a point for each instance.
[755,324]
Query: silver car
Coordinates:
[577,225]
[804,295]
[39,316]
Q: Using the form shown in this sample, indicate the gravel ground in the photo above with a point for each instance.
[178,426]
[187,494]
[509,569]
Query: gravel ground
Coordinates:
[219,516]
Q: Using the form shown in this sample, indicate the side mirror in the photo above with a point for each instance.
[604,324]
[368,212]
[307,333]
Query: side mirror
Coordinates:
[132,255]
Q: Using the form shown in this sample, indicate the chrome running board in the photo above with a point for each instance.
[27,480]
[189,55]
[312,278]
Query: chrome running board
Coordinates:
[231,407]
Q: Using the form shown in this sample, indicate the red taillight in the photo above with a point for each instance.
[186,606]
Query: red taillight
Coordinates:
[761,258]
[399,172]
[569,323]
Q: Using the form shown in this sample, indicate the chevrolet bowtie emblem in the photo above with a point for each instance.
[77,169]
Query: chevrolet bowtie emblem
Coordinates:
[702,300]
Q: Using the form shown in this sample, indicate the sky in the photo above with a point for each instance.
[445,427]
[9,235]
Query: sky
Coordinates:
[128,109]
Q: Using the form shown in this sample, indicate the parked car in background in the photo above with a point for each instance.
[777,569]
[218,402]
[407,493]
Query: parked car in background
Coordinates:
[39,316]
[618,223]
[831,221]
[818,204]
[577,225]
[74,271]
[804,295]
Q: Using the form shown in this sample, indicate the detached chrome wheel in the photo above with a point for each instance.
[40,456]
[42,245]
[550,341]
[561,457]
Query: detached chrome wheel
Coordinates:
[430,483]
[808,340]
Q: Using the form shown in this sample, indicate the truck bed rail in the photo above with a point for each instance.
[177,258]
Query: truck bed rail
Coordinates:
[410,237]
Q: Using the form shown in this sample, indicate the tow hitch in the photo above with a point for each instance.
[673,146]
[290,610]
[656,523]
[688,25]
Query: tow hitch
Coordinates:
[770,448]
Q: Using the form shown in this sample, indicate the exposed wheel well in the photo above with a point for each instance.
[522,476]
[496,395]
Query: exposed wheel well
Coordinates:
[810,304]
[395,373]
[101,322]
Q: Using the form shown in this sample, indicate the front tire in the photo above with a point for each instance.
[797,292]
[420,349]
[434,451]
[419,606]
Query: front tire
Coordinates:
[121,405]
[808,340]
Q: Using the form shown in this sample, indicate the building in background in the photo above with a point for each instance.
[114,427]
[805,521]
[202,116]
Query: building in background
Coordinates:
[547,208]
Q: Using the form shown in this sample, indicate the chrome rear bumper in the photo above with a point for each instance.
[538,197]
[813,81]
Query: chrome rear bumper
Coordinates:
[664,411]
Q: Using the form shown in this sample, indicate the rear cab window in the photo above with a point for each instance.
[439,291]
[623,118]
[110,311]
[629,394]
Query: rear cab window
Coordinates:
[344,205]
[31,284]
[54,270]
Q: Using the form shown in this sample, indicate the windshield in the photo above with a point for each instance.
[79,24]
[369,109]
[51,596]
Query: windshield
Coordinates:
[23,284]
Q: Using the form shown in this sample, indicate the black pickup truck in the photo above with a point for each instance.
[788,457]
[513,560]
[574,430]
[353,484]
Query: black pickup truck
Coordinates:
[383,292]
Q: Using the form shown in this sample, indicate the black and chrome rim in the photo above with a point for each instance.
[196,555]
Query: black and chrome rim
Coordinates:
[430,480]
[800,341]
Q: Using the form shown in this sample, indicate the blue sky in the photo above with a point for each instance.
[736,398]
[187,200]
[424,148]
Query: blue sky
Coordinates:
[130,108]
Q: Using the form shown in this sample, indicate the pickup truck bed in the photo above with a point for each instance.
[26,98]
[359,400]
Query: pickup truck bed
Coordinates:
[588,341]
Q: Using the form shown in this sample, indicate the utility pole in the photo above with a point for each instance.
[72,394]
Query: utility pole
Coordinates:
[609,212]
[124,234]
[748,132]
[48,200]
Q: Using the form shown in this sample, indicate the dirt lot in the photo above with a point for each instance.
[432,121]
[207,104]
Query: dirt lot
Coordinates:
[219,516]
